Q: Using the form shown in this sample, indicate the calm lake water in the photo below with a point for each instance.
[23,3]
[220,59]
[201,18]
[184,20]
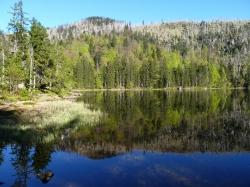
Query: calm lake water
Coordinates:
[144,138]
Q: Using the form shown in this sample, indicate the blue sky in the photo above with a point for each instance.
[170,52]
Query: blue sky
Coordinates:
[55,12]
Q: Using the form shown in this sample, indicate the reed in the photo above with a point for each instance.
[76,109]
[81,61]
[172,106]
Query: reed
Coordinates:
[58,114]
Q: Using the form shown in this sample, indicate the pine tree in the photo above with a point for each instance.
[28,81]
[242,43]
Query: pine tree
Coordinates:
[19,37]
[43,64]
[2,57]
[18,26]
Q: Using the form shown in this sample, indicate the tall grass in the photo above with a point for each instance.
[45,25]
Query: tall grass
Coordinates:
[60,113]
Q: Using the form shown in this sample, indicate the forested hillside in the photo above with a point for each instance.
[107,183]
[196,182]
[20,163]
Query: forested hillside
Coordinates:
[104,53]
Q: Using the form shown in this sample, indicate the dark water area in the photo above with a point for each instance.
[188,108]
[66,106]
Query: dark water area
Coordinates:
[144,138]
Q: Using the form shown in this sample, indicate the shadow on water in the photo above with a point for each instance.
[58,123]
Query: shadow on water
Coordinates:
[183,122]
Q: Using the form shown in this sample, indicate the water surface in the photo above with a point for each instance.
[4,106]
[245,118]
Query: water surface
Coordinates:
[144,138]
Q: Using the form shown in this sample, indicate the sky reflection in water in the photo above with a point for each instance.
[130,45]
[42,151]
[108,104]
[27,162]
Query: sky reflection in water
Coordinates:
[146,139]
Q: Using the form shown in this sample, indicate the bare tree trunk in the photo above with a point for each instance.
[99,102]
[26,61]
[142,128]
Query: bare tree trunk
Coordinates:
[34,81]
[31,68]
[196,81]
[57,57]
[3,66]
[10,85]
[15,46]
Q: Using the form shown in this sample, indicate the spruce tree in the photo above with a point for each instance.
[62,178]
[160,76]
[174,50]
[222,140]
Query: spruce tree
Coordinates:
[19,38]
[41,53]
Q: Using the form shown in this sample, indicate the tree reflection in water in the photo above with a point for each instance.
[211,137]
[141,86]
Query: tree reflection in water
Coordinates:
[204,121]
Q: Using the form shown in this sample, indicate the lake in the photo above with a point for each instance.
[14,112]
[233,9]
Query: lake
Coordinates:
[142,138]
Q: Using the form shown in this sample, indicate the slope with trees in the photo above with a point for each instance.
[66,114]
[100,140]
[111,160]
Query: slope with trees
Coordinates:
[104,53]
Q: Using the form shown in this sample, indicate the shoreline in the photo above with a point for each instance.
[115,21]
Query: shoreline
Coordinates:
[161,89]
[75,93]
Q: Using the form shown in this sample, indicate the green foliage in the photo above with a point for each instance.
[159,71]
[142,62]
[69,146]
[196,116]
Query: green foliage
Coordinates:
[85,73]
[247,75]
[214,76]
[173,117]
[14,72]
[138,63]
[24,94]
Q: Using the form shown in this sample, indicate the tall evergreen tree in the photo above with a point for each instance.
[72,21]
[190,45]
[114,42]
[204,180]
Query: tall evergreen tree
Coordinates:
[41,53]
[18,26]
[19,38]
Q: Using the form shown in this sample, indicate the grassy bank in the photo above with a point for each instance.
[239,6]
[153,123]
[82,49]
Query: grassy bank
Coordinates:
[45,111]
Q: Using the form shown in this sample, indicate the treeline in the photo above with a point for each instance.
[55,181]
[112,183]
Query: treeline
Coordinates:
[127,58]
[214,54]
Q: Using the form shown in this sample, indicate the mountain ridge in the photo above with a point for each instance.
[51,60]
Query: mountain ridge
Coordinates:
[223,35]
[163,31]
